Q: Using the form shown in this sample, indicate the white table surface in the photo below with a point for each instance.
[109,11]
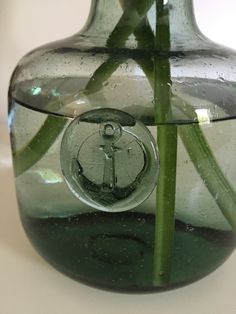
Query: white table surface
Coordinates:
[28,285]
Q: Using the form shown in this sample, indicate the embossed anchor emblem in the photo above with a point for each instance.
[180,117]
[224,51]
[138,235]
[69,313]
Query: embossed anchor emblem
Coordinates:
[111,133]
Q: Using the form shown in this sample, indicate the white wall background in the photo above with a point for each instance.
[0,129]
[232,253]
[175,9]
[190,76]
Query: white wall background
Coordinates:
[26,24]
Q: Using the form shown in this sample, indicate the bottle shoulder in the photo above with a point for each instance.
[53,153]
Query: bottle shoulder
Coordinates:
[57,76]
[82,56]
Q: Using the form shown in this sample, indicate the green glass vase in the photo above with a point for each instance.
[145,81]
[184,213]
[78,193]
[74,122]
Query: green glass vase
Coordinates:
[123,143]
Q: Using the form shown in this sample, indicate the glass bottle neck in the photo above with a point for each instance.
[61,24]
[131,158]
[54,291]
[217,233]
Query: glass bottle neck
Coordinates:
[106,14]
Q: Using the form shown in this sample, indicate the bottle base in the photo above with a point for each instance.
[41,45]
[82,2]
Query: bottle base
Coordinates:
[115,251]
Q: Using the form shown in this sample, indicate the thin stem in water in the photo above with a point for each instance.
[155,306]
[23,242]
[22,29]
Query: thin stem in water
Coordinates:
[39,145]
[210,171]
[167,145]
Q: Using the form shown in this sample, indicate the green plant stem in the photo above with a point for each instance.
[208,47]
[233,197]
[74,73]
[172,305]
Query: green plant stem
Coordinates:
[133,13]
[207,166]
[165,205]
[200,153]
[210,171]
[167,145]
[39,145]
[137,25]
[102,74]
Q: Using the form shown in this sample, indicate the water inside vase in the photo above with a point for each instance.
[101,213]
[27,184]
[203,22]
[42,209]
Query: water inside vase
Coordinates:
[116,250]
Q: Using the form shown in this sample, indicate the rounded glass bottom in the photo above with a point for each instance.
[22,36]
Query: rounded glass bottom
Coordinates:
[116,251]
